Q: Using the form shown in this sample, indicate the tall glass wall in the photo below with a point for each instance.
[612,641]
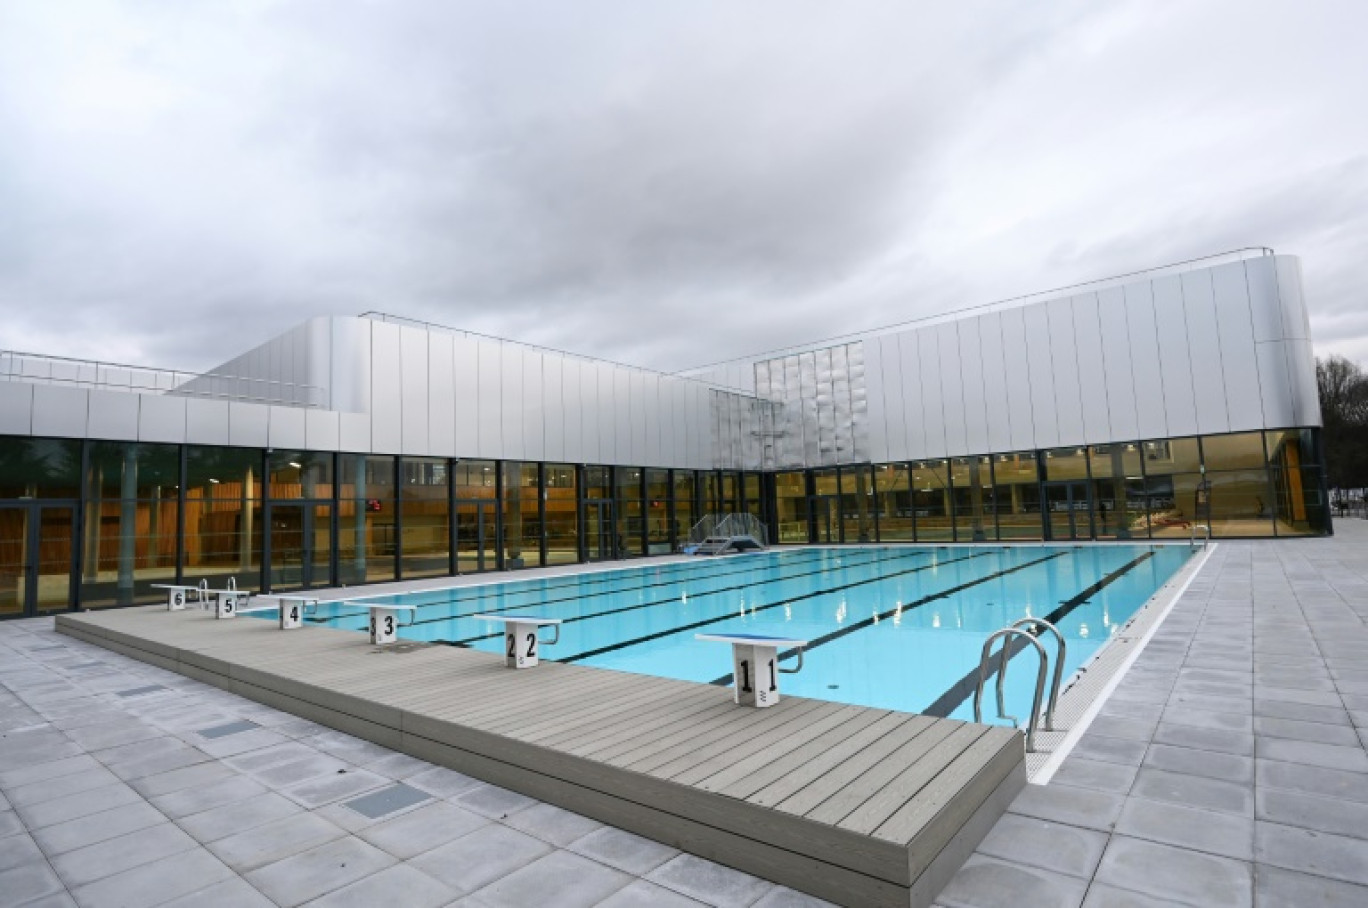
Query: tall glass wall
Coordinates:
[522,525]
[424,517]
[561,498]
[366,522]
[224,516]
[132,499]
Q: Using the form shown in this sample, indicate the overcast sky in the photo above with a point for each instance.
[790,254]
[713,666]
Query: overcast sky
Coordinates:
[660,183]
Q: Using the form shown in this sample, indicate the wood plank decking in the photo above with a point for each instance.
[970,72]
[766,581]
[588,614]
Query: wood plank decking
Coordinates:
[859,806]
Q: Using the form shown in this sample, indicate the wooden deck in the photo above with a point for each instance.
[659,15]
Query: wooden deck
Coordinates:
[859,806]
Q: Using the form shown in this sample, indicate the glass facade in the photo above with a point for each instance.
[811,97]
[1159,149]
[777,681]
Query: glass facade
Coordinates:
[96,523]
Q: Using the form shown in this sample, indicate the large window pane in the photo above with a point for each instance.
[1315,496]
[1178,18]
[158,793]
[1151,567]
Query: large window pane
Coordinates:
[1240,503]
[475,479]
[1016,495]
[522,516]
[367,542]
[893,501]
[224,519]
[931,500]
[630,524]
[1171,455]
[1297,483]
[658,512]
[40,468]
[425,517]
[684,495]
[971,481]
[561,499]
[790,500]
[132,495]
[299,474]
[857,504]
[1118,491]
[1241,451]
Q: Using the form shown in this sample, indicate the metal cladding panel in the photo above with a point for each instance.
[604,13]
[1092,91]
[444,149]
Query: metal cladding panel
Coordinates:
[441,414]
[587,401]
[510,401]
[700,432]
[534,405]
[874,401]
[1151,414]
[841,410]
[1092,369]
[951,376]
[571,411]
[894,395]
[465,369]
[998,416]
[349,364]
[1204,342]
[161,419]
[1068,399]
[1265,304]
[16,408]
[317,371]
[488,401]
[1301,361]
[932,398]
[1175,361]
[826,407]
[607,415]
[414,382]
[322,430]
[1044,417]
[63,411]
[640,416]
[206,421]
[249,425]
[972,387]
[1239,360]
[656,416]
[1016,360]
[1117,345]
[666,423]
[553,406]
[620,417]
[387,389]
[354,432]
[113,414]
[1296,320]
[286,428]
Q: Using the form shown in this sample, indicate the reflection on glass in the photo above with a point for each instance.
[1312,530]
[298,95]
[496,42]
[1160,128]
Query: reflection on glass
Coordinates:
[131,501]
[857,504]
[560,497]
[685,516]
[301,546]
[424,517]
[893,501]
[522,515]
[1016,495]
[630,539]
[223,515]
[972,485]
[931,500]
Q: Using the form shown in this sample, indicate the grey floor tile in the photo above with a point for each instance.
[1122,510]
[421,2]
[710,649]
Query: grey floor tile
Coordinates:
[1278,888]
[1317,853]
[1202,830]
[59,810]
[48,769]
[641,894]
[233,892]
[50,789]
[552,824]
[1292,808]
[94,862]
[1195,791]
[1278,709]
[623,850]
[19,849]
[200,798]
[417,831]
[1194,762]
[28,883]
[400,884]
[318,871]
[1095,774]
[1070,850]
[274,841]
[1313,753]
[708,881]
[443,782]
[985,882]
[1176,873]
[1118,727]
[1297,730]
[1330,783]
[154,883]
[783,897]
[1071,806]
[172,780]
[335,787]
[1100,895]
[231,819]
[480,857]
[492,801]
[576,882]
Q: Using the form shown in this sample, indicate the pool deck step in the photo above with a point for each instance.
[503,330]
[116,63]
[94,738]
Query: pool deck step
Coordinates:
[859,806]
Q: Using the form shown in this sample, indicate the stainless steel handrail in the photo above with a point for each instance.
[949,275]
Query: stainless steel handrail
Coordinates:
[1010,633]
[1059,663]
[1192,534]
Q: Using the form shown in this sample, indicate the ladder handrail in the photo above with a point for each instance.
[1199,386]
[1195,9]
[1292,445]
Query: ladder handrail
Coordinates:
[1192,534]
[1011,632]
[1059,663]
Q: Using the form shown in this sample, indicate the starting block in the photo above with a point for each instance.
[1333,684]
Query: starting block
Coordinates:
[755,665]
[177,595]
[520,637]
[384,621]
[291,609]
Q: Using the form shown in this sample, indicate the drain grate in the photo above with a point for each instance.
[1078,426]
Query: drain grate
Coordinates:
[138,691]
[387,800]
[232,728]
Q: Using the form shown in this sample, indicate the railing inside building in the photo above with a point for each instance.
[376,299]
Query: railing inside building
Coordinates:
[44,369]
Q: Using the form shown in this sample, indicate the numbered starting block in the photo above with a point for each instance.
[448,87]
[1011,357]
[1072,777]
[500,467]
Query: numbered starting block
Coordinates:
[384,621]
[755,665]
[228,602]
[521,643]
[291,608]
[177,596]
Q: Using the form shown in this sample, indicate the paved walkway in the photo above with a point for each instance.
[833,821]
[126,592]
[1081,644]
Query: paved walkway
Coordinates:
[1229,768]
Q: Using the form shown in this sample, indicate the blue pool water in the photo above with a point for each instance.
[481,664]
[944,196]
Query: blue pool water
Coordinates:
[891,627]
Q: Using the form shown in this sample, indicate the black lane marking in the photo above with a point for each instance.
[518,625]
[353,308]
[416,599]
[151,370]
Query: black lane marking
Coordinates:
[641,605]
[964,688]
[475,600]
[761,608]
[907,607]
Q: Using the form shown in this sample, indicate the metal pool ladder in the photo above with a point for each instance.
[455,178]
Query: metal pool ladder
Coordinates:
[1018,630]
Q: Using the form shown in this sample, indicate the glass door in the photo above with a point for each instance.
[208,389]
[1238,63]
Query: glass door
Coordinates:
[475,536]
[36,557]
[301,546]
[599,539]
[1067,510]
[826,518]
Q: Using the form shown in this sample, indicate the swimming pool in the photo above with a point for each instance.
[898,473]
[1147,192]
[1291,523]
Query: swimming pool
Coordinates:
[889,627]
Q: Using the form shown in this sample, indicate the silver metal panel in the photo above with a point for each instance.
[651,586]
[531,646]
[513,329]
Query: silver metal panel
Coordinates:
[414,381]
[319,366]
[840,406]
[874,397]
[572,411]
[1150,413]
[590,435]
[1265,304]
[1044,415]
[895,407]
[914,418]
[859,399]
[511,400]
[553,406]
[62,411]
[248,425]
[993,367]
[488,400]
[1016,366]
[1204,342]
[620,416]
[386,389]
[350,367]
[286,428]
[322,430]
[1092,371]
[970,356]
[534,407]
[16,408]
[655,416]
[700,431]
[1063,364]
[465,368]
[113,414]
[1296,320]
[933,398]
[206,421]
[1175,363]
[952,389]
[1305,400]
[1239,361]
[607,414]
[1116,342]
[640,417]
[354,432]
[161,419]
[441,415]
